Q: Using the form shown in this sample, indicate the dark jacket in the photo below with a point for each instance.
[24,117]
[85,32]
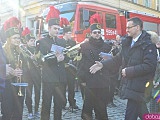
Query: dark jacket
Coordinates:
[52,71]
[2,69]
[34,70]
[14,63]
[140,64]
[157,77]
[71,67]
[90,53]
[68,44]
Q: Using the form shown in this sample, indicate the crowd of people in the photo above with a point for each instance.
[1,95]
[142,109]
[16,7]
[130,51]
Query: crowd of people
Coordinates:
[125,66]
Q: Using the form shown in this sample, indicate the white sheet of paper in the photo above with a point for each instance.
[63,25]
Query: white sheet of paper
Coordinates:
[56,48]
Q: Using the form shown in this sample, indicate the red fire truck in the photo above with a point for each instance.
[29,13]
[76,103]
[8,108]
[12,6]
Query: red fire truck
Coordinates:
[113,20]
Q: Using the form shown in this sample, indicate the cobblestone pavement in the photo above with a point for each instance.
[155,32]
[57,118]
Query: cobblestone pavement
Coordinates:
[114,113]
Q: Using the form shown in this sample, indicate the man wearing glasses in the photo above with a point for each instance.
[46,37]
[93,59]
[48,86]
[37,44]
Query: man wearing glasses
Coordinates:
[53,68]
[96,89]
[138,59]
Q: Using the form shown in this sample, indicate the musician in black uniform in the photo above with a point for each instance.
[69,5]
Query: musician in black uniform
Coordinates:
[12,99]
[70,70]
[2,66]
[96,90]
[33,73]
[53,69]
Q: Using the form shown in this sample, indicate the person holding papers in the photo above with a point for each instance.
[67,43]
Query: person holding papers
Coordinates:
[53,69]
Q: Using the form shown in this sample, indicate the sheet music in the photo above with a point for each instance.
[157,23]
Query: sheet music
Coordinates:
[56,48]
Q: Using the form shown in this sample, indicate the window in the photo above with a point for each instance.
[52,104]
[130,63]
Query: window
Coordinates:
[90,13]
[135,1]
[147,3]
[158,5]
[110,21]
[30,23]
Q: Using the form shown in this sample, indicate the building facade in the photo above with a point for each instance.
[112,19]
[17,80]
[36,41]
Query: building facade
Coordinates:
[27,10]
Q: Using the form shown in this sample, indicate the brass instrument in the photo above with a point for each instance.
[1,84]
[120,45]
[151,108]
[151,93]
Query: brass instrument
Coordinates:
[110,52]
[54,50]
[29,54]
[73,51]
[48,56]
[19,79]
[70,52]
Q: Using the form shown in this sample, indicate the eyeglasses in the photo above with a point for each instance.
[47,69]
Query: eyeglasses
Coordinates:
[55,28]
[131,27]
[95,32]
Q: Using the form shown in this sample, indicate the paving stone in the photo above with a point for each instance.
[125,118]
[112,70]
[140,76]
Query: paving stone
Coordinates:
[114,113]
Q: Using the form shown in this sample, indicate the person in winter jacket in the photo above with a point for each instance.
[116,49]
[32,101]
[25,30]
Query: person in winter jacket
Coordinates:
[154,105]
[138,59]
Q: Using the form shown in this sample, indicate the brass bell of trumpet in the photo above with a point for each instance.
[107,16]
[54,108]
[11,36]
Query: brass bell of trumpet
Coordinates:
[73,51]
[20,91]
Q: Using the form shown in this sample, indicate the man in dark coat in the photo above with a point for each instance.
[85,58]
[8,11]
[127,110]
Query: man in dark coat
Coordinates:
[138,62]
[96,89]
[53,70]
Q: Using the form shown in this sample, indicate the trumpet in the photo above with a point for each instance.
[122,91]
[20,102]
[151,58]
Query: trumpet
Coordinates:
[19,79]
[54,50]
[48,56]
[70,52]
[29,54]
[73,51]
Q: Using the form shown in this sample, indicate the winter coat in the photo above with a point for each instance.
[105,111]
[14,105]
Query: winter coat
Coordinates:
[90,53]
[34,68]
[157,78]
[140,62]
